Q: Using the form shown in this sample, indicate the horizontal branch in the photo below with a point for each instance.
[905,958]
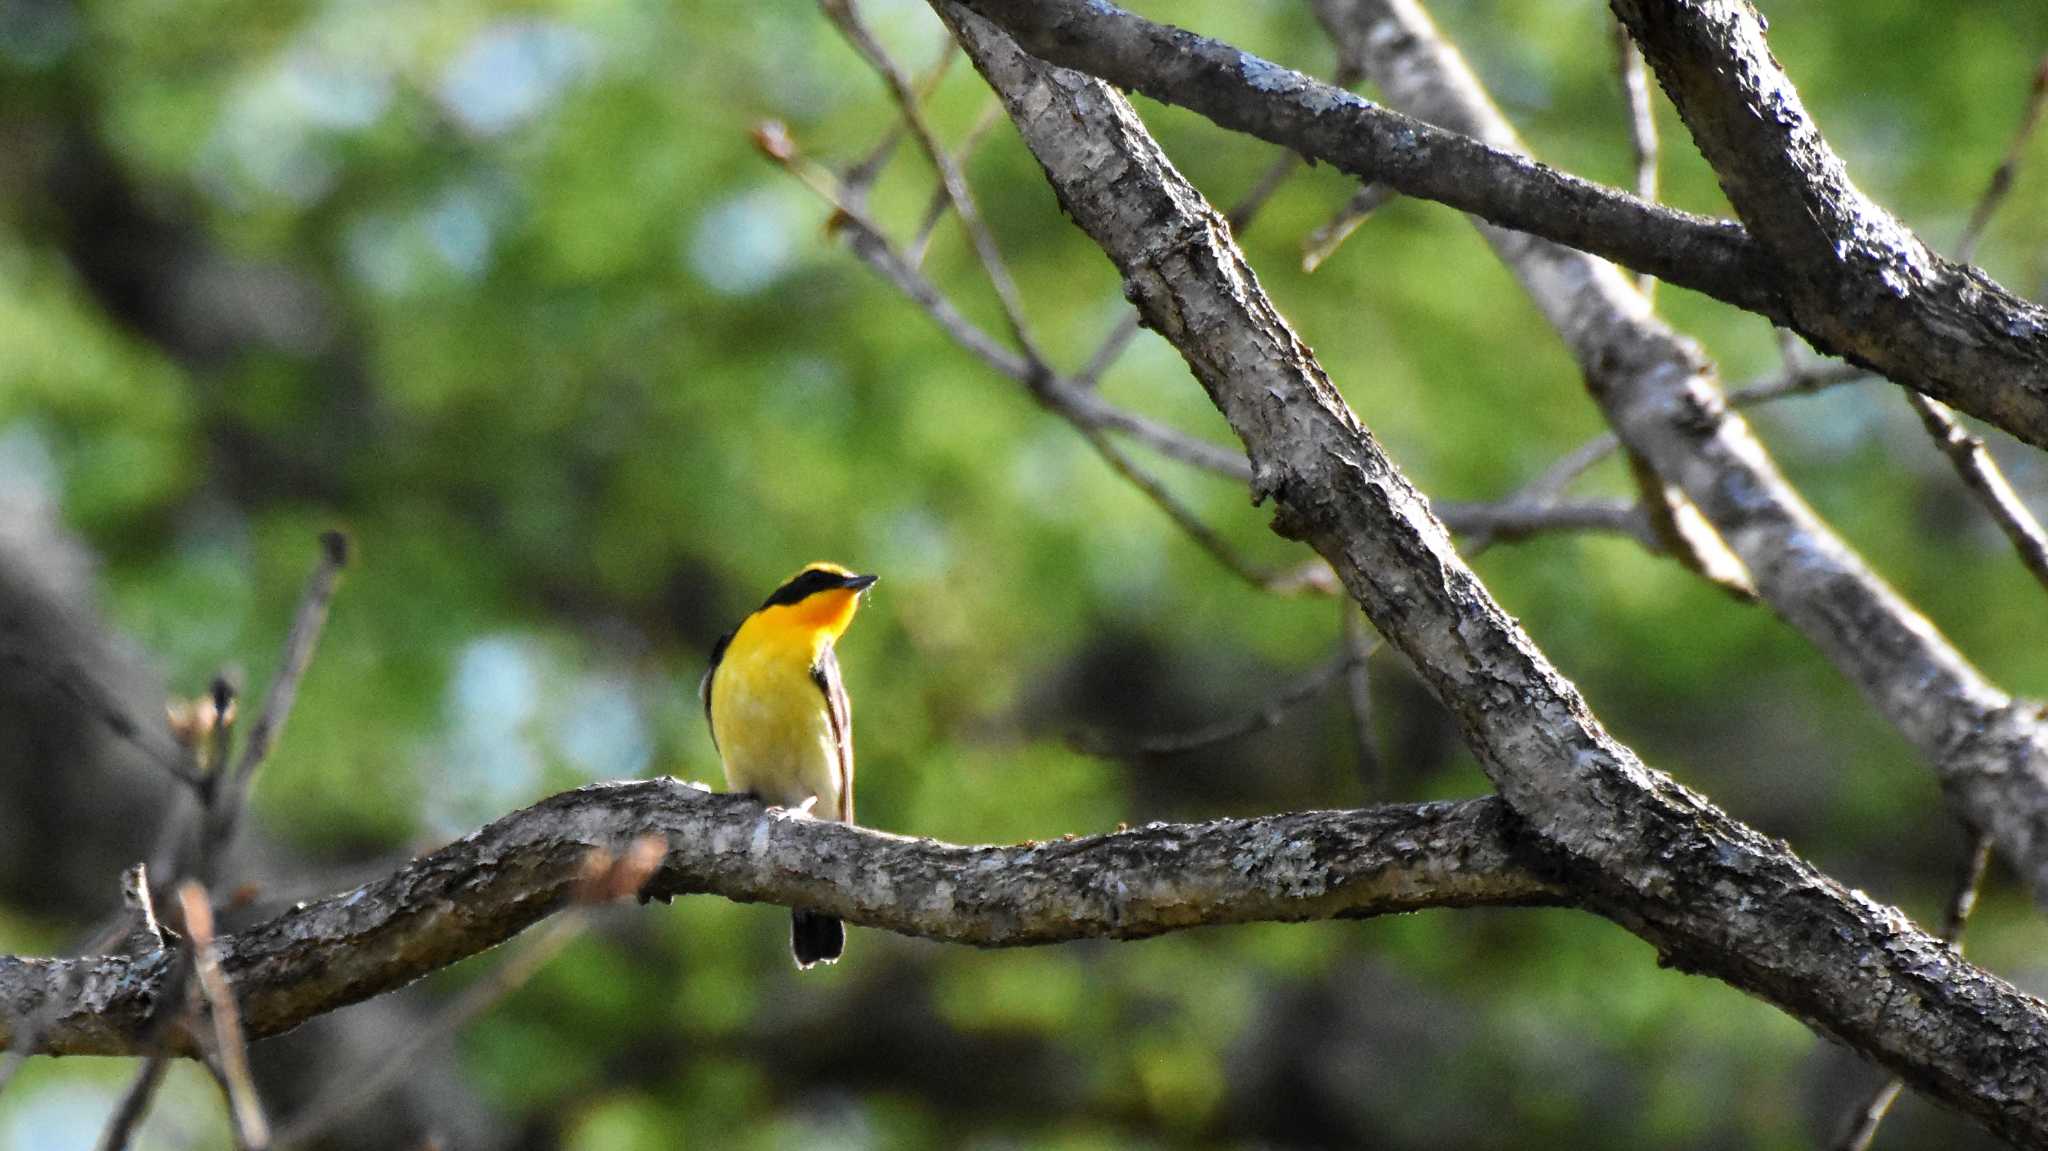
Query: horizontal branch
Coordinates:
[1940,328]
[485,888]
[1508,520]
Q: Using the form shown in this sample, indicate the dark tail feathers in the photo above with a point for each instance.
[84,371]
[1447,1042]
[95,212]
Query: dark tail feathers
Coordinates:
[815,938]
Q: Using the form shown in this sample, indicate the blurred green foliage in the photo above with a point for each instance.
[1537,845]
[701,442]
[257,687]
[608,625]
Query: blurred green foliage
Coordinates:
[504,289]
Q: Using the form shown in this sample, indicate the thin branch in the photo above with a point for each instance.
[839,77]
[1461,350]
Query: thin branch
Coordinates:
[871,244]
[299,643]
[135,1103]
[1362,641]
[935,211]
[844,16]
[1966,451]
[1322,243]
[1642,127]
[1514,519]
[1241,216]
[252,1130]
[2001,179]
[1312,579]
[1980,473]
[861,175]
[1265,717]
[1087,412]
[605,879]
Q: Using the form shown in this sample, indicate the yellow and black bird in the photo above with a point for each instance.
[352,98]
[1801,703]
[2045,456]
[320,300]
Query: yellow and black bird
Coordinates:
[781,720]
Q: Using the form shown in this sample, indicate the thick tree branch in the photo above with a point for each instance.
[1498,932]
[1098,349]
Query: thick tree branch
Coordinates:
[1943,329]
[1240,91]
[1712,894]
[1660,394]
[1856,280]
[481,890]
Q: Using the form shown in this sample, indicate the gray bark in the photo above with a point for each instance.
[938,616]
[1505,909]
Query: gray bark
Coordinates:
[1661,395]
[1940,328]
[1712,894]
[481,890]
[1857,281]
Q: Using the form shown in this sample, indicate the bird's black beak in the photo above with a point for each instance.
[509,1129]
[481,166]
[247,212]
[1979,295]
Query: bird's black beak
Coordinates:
[859,583]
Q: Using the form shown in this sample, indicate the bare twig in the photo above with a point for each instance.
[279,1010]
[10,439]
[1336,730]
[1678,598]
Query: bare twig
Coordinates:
[1980,473]
[845,17]
[860,176]
[299,643]
[1361,640]
[1314,578]
[1322,243]
[1088,413]
[1965,450]
[1240,216]
[1267,715]
[1867,1117]
[2001,179]
[872,245]
[935,211]
[134,1105]
[1642,125]
[1795,380]
[607,878]
[252,1130]
[75,681]
[1516,519]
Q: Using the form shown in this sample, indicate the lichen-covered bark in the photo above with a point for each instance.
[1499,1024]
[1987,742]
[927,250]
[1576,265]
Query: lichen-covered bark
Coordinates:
[1660,394]
[1885,301]
[1712,894]
[481,890]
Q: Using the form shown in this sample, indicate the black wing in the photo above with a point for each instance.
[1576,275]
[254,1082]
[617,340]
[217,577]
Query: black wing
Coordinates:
[704,685]
[825,673]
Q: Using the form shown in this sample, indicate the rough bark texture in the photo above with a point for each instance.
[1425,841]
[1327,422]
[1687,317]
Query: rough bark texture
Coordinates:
[1712,894]
[1248,94]
[1659,392]
[1884,301]
[1858,282]
[481,890]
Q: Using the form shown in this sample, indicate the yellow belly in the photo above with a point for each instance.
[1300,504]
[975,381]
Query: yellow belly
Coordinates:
[774,731]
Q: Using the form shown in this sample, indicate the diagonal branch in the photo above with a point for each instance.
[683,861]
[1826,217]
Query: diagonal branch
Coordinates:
[1659,393]
[1940,328]
[487,887]
[1710,893]
[1240,91]
[1856,280]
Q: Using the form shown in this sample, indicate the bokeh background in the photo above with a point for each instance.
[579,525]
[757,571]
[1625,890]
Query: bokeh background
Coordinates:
[505,290]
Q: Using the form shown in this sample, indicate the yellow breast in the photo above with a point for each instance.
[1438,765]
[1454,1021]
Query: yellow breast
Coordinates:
[772,723]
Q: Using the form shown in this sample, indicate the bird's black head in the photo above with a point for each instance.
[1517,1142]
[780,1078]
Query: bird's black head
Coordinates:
[814,579]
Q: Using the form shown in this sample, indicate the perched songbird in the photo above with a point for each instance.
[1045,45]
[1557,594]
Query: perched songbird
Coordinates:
[780,718]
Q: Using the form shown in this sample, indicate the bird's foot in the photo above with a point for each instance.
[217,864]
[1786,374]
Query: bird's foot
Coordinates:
[801,810]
